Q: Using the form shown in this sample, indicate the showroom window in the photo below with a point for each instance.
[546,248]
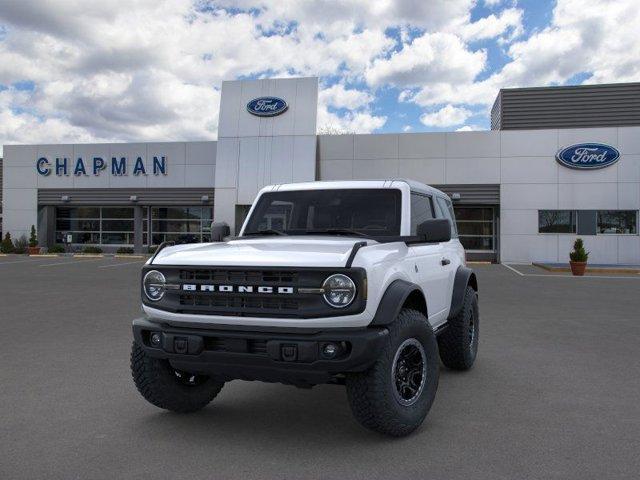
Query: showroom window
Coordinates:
[556,221]
[476,228]
[95,225]
[618,222]
[180,224]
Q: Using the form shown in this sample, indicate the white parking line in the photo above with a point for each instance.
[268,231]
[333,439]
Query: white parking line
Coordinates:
[72,262]
[550,275]
[513,269]
[121,264]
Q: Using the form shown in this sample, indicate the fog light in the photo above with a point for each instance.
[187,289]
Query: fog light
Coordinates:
[330,350]
[156,339]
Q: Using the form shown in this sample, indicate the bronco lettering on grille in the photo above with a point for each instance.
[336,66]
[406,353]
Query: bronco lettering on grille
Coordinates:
[192,287]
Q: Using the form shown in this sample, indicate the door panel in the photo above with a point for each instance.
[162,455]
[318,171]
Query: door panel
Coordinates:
[432,276]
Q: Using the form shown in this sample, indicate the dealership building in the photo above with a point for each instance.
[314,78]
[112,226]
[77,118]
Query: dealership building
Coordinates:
[559,162]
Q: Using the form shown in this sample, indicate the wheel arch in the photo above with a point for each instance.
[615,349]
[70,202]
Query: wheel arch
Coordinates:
[398,295]
[464,277]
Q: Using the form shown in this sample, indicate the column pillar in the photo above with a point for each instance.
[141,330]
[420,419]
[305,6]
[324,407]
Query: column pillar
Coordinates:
[46,226]
[137,229]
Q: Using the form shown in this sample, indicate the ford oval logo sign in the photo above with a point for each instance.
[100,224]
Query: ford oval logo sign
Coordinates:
[588,156]
[267,106]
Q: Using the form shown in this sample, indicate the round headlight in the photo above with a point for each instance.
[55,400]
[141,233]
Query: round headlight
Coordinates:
[153,285]
[339,290]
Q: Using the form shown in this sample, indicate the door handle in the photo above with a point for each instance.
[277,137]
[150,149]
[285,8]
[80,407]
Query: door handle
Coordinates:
[445,261]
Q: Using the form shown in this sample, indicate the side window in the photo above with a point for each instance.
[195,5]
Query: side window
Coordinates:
[447,210]
[421,210]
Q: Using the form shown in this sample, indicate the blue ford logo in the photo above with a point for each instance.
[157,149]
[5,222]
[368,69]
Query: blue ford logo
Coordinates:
[267,106]
[588,156]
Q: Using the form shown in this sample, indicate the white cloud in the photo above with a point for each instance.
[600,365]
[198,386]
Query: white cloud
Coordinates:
[340,97]
[357,119]
[508,22]
[433,57]
[407,128]
[351,122]
[469,128]
[447,116]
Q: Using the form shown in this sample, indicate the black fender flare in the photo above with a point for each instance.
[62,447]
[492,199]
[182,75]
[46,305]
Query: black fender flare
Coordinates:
[394,299]
[464,276]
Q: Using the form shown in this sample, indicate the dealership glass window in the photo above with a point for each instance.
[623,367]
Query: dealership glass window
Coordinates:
[180,224]
[475,227]
[618,222]
[556,221]
[421,210]
[95,225]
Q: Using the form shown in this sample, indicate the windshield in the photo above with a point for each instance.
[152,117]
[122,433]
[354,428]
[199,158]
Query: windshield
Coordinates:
[360,212]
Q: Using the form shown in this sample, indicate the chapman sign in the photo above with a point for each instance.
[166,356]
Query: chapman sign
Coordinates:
[588,156]
[267,106]
[118,166]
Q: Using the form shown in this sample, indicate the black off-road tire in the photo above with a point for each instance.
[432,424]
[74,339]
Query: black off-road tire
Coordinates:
[458,344]
[164,387]
[373,396]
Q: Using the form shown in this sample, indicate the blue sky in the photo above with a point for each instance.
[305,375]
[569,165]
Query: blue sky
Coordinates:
[77,71]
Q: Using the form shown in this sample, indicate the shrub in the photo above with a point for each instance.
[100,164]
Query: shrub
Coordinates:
[91,249]
[57,248]
[153,248]
[125,250]
[7,244]
[20,245]
[579,254]
[33,238]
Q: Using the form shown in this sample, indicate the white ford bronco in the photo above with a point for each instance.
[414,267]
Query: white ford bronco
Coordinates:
[355,283]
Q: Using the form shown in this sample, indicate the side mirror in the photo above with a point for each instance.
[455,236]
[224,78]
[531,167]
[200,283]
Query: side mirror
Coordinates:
[435,230]
[219,230]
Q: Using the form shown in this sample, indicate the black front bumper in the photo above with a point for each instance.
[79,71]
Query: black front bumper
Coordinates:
[276,355]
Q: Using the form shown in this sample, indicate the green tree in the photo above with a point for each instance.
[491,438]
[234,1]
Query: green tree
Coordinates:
[33,237]
[7,244]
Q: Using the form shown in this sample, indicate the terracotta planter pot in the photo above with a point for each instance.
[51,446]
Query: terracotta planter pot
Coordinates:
[33,250]
[578,268]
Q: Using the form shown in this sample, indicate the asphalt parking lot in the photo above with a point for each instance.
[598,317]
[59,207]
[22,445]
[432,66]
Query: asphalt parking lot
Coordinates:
[555,392]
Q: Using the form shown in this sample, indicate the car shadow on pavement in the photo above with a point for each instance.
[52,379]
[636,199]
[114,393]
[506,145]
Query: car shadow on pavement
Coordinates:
[278,415]
[271,413]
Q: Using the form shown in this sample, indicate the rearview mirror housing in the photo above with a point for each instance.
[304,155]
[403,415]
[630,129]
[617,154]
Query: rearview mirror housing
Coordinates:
[435,230]
[219,230]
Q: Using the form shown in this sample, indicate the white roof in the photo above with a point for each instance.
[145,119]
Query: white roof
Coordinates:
[344,184]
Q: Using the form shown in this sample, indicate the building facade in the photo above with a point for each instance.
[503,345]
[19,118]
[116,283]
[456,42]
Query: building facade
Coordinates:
[516,199]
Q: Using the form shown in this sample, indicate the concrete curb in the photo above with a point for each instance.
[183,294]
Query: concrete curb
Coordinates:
[606,270]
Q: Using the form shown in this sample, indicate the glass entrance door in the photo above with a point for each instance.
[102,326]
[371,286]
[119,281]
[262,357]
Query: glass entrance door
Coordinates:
[477,229]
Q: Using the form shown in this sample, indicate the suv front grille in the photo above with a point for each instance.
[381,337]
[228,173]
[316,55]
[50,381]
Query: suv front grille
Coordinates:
[239,303]
[190,297]
[248,277]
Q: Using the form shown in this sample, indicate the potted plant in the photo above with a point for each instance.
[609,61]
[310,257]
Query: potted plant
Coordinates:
[33,249]
[578,258]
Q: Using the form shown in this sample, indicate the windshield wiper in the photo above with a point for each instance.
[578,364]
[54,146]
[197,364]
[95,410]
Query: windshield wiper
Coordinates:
[266,231]
[337,231]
